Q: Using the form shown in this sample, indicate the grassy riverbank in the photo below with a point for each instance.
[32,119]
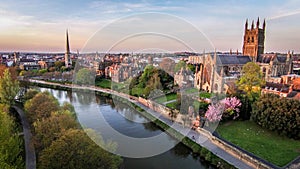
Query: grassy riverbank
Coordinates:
[266,144]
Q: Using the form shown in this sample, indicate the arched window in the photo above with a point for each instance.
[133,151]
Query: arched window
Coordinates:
[252,38]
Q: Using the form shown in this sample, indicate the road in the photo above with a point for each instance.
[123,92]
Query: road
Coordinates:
[29,147]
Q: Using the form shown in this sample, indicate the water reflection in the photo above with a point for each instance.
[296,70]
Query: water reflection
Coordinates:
[88,110]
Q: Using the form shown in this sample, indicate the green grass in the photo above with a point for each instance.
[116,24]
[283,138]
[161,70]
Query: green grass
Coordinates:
[171,105]
[191,90]
[104,83]
[168,97]
[205,95]
[136,91]
[266,144]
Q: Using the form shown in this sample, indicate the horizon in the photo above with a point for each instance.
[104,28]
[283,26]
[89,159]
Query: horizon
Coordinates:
[40,27]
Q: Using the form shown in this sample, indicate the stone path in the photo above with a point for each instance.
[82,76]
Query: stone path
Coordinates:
[29,147]
[170,101]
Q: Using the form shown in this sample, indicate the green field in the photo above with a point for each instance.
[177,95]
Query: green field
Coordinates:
[168,97]
[266,144]
[172,105]
[104,83]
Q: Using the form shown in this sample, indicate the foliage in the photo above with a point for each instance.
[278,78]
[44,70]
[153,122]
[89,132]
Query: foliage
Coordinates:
[151,79]
[85,76]
[278,114]
[75,150]
[264,143]
[51,128]
[214,112]
[8,88]
[30,94]
[232,105]
[40,106]
[58,65]
[10,143]
[179,65]
[104,83]
[251,80]
[224,109]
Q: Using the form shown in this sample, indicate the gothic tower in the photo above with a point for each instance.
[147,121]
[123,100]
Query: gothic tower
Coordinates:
[68,61]
[254,39]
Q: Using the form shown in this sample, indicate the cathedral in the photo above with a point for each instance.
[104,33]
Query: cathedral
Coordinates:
[218,73]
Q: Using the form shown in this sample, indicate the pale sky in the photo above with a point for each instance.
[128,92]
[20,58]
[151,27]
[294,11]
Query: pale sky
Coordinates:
[39,26]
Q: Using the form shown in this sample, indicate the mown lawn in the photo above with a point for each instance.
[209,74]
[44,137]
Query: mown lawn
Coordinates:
[168,97]
[265,144]
[171,105]
[104,83]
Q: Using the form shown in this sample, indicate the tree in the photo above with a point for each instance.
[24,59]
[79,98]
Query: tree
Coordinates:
[85,76]
[30,94]
[10,143]
[214,112]
[58,65]
[49,129]
[278,114]
[250,83]
[251,80]
[9,88]
[40,106]
[231,106]
[75,150]
[179,65]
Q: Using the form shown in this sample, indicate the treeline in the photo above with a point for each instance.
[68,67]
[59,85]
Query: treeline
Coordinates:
[58,138]
[11,143]
[278,114]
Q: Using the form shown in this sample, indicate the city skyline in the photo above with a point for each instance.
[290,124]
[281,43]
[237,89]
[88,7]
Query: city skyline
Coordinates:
[29,26]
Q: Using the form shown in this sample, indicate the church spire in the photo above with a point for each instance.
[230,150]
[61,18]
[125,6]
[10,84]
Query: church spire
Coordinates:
[257,23]
[67,54]
[264,24]
[252,25]
[67,42]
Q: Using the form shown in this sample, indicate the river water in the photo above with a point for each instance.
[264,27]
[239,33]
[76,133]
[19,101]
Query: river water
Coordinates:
[129,122]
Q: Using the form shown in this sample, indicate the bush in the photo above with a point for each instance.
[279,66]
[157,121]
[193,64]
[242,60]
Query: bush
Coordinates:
[278,114]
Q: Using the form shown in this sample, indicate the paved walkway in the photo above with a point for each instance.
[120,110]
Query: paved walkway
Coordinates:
[170,101]
[199,138]
[29,147]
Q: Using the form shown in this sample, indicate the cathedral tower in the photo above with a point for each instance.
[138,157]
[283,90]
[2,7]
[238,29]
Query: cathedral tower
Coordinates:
[68,61]
[254,39]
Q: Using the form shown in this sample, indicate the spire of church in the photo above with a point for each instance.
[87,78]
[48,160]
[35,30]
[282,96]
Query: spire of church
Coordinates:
[257,23]
[252,25]
[67,42]
[264,24]
[246,25]
[67,54]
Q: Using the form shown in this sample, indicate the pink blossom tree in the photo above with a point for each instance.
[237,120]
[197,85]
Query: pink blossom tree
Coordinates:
[214,112]
[230,106]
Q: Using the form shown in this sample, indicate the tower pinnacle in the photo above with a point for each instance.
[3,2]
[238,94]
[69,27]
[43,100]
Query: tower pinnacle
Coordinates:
[67,54]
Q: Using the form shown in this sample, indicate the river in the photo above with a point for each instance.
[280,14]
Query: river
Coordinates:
[129,122]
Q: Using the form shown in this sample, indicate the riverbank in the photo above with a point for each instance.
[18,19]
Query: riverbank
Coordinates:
[194,139]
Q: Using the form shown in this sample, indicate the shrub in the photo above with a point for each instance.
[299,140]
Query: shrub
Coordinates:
[278,114]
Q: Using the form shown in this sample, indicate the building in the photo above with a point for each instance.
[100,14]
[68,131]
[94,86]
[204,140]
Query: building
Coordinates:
[274,65]
[184,78]
[254,39]
[68,62]
[218,72]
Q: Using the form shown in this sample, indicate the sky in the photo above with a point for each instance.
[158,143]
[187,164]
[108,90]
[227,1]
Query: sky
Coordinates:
[132,26]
